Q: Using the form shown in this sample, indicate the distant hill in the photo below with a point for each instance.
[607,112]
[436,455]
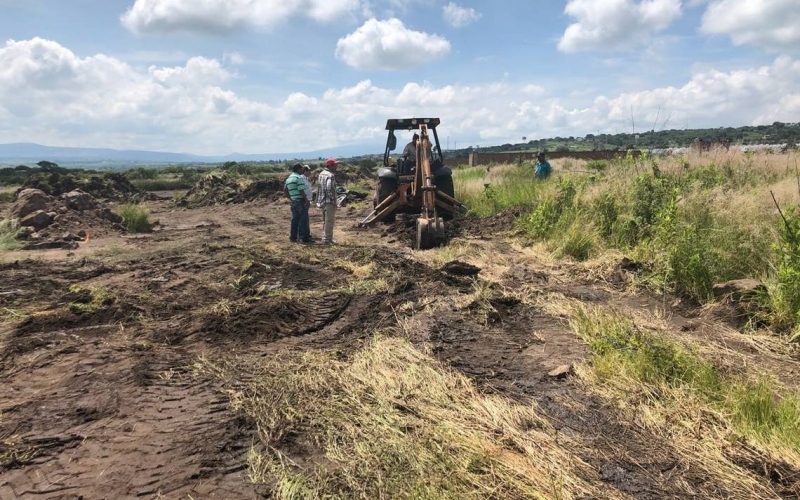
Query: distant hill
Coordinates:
[777,133]
[31,153]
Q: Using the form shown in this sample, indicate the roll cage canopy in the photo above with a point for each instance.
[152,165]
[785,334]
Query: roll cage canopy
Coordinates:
[411,123]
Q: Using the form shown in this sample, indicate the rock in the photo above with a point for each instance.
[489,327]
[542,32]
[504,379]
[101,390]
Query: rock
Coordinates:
[63,210]
[71,237]
[29,201]
[37,220]
[107,214]
[560,372]
[461,268]
[629,265]
[738,290]
[82,234]
[79,200]
[25,232]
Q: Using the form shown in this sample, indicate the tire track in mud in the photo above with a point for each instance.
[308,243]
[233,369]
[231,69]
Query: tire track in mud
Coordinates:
[130,425]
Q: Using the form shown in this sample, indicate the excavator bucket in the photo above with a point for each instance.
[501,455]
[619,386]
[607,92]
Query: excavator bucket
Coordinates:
[430,233]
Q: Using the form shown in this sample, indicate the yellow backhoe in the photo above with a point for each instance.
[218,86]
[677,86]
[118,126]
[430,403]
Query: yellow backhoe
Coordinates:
[421,185]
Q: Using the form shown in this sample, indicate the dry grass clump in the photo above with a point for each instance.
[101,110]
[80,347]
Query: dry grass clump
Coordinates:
[394,423]
[8,234]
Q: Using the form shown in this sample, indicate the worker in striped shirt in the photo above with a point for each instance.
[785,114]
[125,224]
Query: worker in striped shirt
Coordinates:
[326,199]
[294,189]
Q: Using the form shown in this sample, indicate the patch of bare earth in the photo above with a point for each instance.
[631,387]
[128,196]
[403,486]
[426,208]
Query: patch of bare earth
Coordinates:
[99,395]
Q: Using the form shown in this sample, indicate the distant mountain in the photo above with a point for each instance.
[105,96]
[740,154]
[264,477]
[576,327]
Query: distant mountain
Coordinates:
[23,152]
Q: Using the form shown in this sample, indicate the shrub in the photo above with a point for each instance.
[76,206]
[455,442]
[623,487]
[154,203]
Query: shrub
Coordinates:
[598,165]
[135,218]
[549,212]
[783,287]
[651,192]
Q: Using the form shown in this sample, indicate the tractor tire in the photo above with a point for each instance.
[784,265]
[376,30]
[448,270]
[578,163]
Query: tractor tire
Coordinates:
[385,189]
[446,186]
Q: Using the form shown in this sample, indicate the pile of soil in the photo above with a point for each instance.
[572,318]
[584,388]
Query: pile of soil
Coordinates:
[112,186]
[488,227]
[222,189]
[61,221]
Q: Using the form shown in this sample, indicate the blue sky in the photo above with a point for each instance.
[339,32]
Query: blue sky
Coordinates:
[269,76]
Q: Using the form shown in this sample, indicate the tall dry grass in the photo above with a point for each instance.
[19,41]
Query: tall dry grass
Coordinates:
[392,422]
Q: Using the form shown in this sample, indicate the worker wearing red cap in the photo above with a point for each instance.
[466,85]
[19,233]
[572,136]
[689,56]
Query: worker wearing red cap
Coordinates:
[326,199]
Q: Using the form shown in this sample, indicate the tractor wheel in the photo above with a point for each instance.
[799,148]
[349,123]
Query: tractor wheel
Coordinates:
[445,185]
[385,189]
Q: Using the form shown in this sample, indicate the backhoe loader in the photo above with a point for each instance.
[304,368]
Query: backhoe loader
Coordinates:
[420,185]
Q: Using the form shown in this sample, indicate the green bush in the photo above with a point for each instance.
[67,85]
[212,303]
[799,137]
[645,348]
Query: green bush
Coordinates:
[597,165]
[783,287]
[135,218]
[548,213]
[651,193]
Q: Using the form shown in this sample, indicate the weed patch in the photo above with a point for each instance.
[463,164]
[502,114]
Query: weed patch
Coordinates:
[8,234]
[136,218]
[626,355]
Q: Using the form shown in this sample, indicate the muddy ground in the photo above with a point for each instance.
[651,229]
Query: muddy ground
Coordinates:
[99,397]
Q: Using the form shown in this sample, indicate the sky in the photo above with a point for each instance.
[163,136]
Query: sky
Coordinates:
[272,76]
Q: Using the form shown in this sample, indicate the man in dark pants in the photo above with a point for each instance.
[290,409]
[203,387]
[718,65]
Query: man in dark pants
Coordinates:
[294,189]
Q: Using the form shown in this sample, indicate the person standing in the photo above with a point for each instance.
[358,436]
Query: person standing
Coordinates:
[294,189]
[326,199]
[543,168]
[310,197]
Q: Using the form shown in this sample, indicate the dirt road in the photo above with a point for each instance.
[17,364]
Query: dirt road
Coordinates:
[100,398]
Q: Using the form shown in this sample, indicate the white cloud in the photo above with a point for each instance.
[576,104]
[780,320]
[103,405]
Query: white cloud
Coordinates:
[51,96]
[389,45]
[234,58]
[616,24]
[772,24]
[458,16]
[226,16]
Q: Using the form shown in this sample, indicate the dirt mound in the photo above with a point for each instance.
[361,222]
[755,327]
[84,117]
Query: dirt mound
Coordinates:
[110,186]
[488,227]
[222,189]
[61,221]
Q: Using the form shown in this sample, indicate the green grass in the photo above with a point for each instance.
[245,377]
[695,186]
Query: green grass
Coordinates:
[8,233]
[668,371]
[135,218]
[668,213]
[489,193]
